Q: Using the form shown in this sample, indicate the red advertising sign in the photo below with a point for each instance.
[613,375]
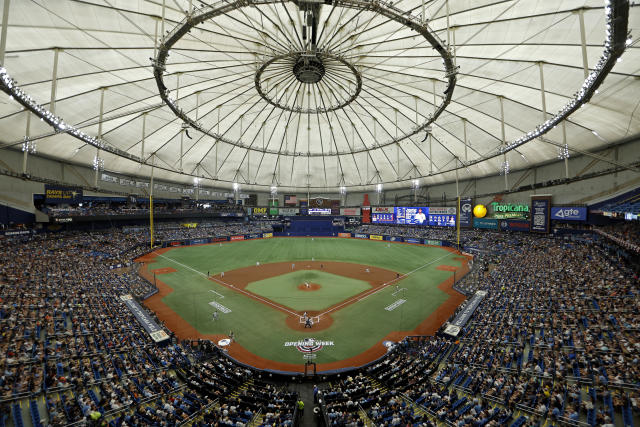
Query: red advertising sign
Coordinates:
[236,238]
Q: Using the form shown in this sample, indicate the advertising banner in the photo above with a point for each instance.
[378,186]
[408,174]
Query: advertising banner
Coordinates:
[466,212]
[219,239]
[236,238]
[412,215]
[393,238]
[273,207]
[485,223]
[60,194]
[385,210]
[175,243]
[412,240]
[442,220]
[360,236]
[384,218]
[199,241]
[62,220]
[375,237]
[288,211]
[540,214]
[514,225]
[350,211]
[569,213]
[319,211]
[344,234]
[156,332]
[442,211]
[510,210]
[259,211]
[267,235]
[433,242]
[253,236]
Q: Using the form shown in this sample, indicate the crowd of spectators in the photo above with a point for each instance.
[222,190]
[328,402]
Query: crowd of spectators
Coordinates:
[626,234]
[71,350]
[109,209]
[557,337]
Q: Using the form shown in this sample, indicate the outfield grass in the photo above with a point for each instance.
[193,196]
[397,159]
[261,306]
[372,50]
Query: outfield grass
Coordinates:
[284,289]
[263,331]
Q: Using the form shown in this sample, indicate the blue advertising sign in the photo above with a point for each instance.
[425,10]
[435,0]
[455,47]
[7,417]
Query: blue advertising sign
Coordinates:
[466,212]
[384,218]
[361,236]
[412,215]
[540,214]
[442,220]
[199,241]
[412,240]
[569,213]
[393,238]
[464,315]
[486,223]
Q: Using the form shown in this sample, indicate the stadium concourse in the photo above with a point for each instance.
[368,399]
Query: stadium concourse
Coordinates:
[556,340]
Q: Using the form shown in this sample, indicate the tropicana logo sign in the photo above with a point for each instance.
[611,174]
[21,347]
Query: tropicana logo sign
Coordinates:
[509,210]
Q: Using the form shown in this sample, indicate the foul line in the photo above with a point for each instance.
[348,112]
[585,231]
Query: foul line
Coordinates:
[229,285]
[384,285]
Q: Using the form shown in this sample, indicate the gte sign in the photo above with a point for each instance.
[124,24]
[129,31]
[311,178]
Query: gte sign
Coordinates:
[569,213]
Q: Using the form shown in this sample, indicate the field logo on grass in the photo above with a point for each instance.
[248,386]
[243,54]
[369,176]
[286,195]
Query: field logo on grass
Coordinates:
[308,345]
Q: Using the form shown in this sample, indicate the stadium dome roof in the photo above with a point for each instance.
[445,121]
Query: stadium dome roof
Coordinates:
[246,95]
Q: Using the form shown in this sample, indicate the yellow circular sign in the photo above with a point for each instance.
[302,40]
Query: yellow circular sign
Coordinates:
[479,211]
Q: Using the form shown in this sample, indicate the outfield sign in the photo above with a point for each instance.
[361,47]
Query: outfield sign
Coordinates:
[258,211]
[288,211]
[267,235]
[60,194]
[382,210]
[485,223]
[360,236]
[466,212]
[510,210]
[156,332]
[433,242]
[350,211]
[442,211]
[236,238]
[344,234]
[569,213]
[413,240]
[375,237]
[540,214]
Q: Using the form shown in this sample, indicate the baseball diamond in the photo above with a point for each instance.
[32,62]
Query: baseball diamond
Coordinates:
[264,290]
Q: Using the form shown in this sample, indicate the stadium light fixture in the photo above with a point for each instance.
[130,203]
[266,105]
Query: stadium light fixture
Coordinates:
[563,152]
[343,190]
[98,164]
[29,146]
[379,188]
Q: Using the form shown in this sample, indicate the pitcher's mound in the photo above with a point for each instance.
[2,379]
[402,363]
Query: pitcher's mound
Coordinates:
[308,286]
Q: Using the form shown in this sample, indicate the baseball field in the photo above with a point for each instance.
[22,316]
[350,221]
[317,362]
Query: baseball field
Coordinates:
[356,293]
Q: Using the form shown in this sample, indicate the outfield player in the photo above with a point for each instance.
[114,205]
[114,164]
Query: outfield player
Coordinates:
[215,315]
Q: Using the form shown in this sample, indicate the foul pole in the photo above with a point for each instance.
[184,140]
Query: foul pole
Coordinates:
[151,202]
[458,223]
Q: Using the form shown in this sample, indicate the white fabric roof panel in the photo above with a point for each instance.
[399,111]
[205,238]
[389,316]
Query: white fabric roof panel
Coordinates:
[498,47]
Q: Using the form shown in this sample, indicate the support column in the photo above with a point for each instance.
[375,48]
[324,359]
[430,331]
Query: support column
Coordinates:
[27,134]
[54,81]
[97,165]
[181,148]
[3,35]
[583,41]
[430,154]
[542,92]
[457,186]
[564,141]
[504,155]
[96,168]
[144,131]
[164,6]
[447,7]
[466,143]
[153,161]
